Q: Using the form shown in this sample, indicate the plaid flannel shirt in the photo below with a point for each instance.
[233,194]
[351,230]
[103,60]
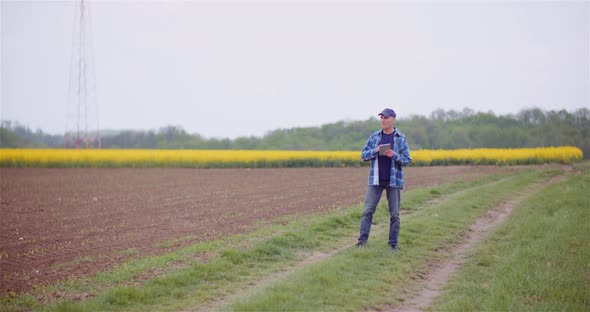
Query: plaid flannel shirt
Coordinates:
[401,157]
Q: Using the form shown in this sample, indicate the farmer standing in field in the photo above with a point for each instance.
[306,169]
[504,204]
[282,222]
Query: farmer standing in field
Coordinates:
[388,151]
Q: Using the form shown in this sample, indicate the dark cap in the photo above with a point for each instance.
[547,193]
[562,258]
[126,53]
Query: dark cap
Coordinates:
[388,112]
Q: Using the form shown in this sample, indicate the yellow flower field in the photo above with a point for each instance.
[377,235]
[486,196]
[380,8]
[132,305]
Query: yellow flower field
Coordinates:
[499,156]
[258,158]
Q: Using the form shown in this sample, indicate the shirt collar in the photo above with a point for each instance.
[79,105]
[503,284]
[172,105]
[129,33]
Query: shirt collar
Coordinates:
[395,132]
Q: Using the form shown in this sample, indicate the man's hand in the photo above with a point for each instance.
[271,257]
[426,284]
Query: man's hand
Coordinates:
[388,153]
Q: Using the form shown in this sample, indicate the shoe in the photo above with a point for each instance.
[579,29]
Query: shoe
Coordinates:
[361,244]
[394,247]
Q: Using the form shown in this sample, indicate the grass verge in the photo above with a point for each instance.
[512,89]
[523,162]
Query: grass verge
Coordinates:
[537,261]
[360,278]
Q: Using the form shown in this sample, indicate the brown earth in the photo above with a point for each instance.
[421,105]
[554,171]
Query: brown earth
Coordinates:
[62,223]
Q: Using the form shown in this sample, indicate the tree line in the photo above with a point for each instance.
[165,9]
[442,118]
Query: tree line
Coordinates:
[442,129]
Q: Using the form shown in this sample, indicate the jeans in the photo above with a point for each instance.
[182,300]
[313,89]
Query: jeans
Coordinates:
[371,201]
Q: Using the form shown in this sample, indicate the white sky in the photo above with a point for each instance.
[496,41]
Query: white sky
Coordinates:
[229,69]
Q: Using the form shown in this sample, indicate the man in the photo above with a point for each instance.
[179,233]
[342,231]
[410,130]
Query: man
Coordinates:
[386,174]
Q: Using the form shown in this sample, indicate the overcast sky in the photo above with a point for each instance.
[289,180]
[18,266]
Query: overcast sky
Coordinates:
[229,69]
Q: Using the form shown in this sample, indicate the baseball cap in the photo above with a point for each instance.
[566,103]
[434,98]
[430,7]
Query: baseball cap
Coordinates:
[388,112]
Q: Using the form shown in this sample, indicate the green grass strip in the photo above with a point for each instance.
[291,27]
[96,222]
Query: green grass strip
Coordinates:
[537,261]
[360,278]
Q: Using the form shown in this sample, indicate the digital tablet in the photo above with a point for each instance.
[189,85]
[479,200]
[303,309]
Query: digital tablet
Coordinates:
[384,148]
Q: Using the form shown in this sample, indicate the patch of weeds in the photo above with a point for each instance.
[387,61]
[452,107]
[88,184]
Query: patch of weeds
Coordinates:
[86,259]
[234,256]
[129,252]
[166,244]
[173,242]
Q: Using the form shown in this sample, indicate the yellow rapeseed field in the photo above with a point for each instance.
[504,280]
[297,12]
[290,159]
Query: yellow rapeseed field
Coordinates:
[499,156]
[258,158]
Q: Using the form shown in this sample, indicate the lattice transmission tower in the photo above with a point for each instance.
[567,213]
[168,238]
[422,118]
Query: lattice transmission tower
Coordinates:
[82,122]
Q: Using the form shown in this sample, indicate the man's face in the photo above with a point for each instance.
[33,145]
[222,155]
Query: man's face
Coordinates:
[387,122]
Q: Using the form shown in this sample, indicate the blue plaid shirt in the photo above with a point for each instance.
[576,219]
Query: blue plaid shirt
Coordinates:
[401,157]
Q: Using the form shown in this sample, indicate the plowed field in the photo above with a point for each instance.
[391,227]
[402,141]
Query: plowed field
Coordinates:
[58,223]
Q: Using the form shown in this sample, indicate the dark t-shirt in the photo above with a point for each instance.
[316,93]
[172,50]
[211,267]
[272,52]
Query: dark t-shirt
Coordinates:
[384,161]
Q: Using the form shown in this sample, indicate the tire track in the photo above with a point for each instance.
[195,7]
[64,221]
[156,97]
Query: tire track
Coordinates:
[253,286]
[317,256]
[441,272]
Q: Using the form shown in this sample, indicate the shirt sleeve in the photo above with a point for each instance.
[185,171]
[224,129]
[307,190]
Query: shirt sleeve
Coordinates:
[369,150]
[402,157]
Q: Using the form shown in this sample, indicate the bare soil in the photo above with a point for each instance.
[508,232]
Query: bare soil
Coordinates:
[62,223]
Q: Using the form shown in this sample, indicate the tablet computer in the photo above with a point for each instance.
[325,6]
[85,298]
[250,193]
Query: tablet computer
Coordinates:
[384,148]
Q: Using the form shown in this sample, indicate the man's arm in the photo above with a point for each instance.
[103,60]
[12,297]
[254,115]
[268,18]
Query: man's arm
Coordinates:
[403,156]
[369,151]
